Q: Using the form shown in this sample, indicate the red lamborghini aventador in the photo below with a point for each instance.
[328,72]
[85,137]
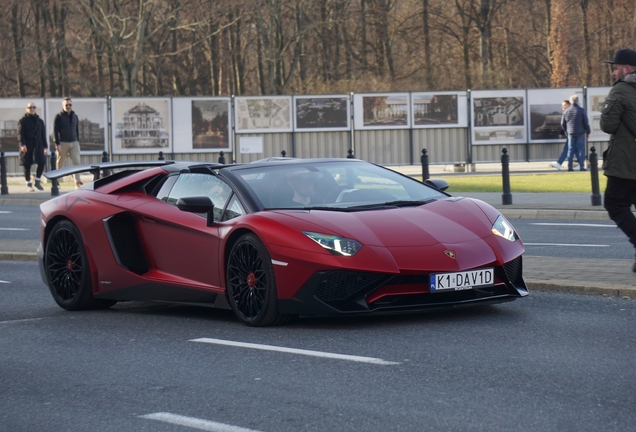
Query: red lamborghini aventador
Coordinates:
[274,239]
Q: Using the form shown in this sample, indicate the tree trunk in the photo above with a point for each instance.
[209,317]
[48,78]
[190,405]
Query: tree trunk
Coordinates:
[586,43]
[559,44]
[16,34]
[428,66]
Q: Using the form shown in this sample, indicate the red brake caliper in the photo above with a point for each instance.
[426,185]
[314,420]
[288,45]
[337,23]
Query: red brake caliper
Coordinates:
[251,280]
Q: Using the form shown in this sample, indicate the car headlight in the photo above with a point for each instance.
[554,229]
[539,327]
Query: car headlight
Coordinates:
[504,229]
[334,244]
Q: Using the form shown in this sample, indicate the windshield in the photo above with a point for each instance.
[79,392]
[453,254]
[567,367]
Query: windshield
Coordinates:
[333,185]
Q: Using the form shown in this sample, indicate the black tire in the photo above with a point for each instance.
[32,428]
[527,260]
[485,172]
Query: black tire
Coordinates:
[67,269]
[251,286]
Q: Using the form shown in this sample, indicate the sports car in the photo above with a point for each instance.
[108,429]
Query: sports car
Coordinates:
[274,239]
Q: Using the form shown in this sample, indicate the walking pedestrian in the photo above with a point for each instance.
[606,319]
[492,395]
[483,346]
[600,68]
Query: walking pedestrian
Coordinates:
[575,123]
[566,148]
[618,118]
[66,133]
[33,146]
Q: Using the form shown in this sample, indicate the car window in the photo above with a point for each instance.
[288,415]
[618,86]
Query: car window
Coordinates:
[234,209]
[166,186]
[191,185]
[332,184]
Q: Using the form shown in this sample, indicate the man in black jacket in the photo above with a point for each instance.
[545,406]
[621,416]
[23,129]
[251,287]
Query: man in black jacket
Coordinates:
[618,118]
[33,147]
[66,133]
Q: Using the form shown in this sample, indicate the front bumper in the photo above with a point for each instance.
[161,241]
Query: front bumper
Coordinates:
[339,292]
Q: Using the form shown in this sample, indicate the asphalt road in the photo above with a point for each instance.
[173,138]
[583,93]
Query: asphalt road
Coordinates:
[549,362]
[573,239]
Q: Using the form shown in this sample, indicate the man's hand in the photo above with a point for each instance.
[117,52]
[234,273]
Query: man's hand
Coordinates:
[23,148]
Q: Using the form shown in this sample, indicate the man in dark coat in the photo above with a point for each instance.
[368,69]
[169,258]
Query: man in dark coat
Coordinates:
[33,146]
[66,136]
[618,118]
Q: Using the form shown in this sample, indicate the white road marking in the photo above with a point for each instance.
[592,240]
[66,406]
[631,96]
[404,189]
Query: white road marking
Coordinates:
[322,354]
[195,423]
[574,225]
[565,244]
[1,281]
[20,320]
[5,212]
[14,229]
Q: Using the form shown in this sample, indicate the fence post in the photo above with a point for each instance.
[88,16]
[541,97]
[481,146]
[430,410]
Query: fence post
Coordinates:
[3,175]
[222,157]
[55,188]
[596,192]
[424,160]
[506,198]
[105,158]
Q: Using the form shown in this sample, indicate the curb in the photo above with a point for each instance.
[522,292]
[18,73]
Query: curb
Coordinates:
[18,256]
[580,215]
[617,290]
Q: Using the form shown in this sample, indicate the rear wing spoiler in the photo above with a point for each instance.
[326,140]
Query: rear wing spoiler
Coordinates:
[104,166]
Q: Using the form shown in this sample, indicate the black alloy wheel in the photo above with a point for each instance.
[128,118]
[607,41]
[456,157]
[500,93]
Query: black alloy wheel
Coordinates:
[251,286]
[68,271]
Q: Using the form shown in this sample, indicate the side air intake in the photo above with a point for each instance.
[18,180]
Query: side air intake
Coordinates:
[125,244]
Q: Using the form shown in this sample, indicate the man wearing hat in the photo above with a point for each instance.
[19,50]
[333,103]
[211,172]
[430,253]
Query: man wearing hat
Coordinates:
[618,118]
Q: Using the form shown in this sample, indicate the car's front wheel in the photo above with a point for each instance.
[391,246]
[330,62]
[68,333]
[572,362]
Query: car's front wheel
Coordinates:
[68,271]
[251,286]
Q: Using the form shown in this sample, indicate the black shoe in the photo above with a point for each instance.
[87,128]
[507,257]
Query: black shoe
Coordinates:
[583,169]
[570,169]
[38,186]
[634,267]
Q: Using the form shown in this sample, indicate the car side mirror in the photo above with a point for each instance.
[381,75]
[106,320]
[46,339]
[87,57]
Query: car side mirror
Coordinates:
[198,204]
[438,184]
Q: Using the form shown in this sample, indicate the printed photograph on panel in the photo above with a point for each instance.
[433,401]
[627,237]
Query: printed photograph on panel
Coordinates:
[263,114]
[91,114]
[11,111]
[391,110]
[435,109]
[210,128]
[141,124]
[322,112]
[500,111]
[595,101]
[545,121]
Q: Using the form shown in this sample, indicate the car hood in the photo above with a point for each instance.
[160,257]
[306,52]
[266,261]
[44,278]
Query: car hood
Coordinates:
[448,221]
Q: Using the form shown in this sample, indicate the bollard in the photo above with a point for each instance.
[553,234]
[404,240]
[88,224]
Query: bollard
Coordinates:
[4,190]
[55,189]
[161,156]
[350,154]
[424,160]
[105,158]
[222,158]
[283,153]
[506,198]
[596,190]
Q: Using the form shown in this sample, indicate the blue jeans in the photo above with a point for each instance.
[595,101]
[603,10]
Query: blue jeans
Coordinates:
[565,152]
[577,147]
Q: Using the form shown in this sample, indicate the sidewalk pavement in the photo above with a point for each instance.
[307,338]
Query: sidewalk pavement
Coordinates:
[589,276]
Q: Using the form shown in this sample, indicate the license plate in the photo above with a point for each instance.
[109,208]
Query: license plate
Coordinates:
[462,280]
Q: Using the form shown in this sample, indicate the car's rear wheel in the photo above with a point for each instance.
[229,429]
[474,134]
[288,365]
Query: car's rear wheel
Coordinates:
[251,286]
[68,271]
